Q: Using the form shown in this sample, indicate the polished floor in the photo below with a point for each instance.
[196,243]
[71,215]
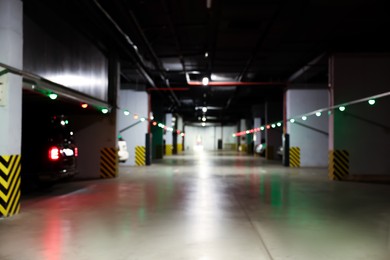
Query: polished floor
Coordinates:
[203,206]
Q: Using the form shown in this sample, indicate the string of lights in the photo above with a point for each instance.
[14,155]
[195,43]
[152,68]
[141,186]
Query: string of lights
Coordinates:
[329,110]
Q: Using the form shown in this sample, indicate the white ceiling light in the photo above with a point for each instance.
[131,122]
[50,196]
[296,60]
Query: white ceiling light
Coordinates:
[204,119]
[205,81]
[204,109]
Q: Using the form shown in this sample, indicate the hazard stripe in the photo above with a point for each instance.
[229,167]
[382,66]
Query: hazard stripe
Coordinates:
[295,157]
[108,162]
[10,166]
[140,156]
[338,164]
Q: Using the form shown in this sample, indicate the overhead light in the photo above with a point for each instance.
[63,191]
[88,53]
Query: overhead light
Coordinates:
[203,124]
[135,116]
[206,54]
[318,114]
[204,119]
[126,112]
[208,4]
[371,102]
[104,110]
[342,108]
[292,120]
[205,81]
[53,96]
[304,118]
[84,105]
[204,109]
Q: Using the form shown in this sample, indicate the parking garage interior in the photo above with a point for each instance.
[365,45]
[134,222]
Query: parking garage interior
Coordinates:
[249,130]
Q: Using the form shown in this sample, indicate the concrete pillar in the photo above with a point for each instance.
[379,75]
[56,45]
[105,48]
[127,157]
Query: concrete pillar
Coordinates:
[168,135]
[11,54]
[362,129]
[310,135]
[131,125]
[242,146]
[180,139]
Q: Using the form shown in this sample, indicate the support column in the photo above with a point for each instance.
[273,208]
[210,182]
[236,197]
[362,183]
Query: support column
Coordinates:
[242,147]
[168,135]
[11,53]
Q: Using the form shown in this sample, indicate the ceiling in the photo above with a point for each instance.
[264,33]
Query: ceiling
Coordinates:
[250,49]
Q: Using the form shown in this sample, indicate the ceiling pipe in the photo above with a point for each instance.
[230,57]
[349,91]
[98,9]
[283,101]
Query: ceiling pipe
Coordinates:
[140,65]
[305,68]
[260,42]
[156,59]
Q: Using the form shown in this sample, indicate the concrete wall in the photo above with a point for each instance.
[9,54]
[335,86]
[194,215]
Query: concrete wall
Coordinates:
[135,102]
[310,135]
[63,55]
[93,132]
[362,130]
[209,136]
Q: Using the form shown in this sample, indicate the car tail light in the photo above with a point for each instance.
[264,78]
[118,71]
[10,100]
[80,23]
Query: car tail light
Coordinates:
[76,151]
[54,153]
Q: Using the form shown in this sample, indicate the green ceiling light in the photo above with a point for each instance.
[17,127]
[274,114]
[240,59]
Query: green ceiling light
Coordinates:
[262,128]
[371,102]
[53,96]
[104,110]
[342,108]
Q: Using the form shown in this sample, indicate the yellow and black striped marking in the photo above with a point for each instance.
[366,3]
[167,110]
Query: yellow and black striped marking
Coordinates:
[108,162]
[10,166]
[168,149]
[338,164]
[140,156]
[295,157]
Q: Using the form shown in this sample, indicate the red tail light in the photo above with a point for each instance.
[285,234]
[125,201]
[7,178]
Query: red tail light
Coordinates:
[76,151]
[54,153]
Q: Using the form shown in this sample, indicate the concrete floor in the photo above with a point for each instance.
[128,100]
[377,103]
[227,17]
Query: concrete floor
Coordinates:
[203,207]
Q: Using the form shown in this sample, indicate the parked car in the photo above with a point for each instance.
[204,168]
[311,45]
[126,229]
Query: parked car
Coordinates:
[260,149]
[49,152]
[123,154]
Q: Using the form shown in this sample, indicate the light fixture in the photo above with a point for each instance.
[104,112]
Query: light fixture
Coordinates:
[371,102]
[135,116]
[273,125]
[126,112]
[262,128]
[204,119]
[206,54]
[318,114]
[292,120]
[84,105]
[203,124]
[142,119]
[342,108]
[104,110]
[279,124]
[205,81]
[304,118]
[53,96]
[204,109]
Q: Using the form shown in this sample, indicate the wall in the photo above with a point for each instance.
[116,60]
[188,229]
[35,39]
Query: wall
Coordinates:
[92,133]
[362,130]
[209,136]
[310,135]
[135,102]
[60,54]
